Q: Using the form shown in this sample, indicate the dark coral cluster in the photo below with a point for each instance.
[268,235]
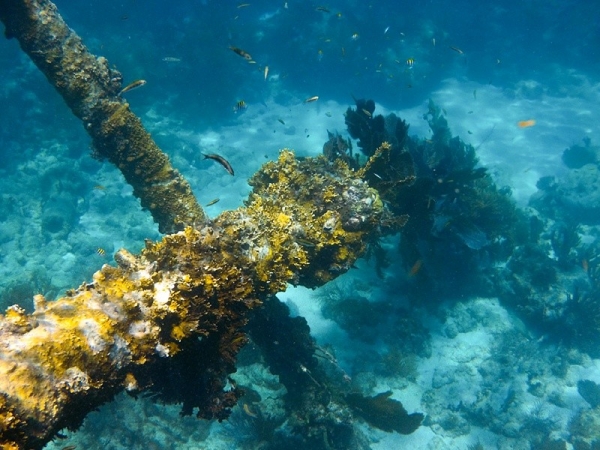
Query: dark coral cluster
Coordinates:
[554,280]
[321,409]
[459,222]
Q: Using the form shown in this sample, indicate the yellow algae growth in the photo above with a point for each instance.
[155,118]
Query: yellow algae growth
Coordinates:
[108,334]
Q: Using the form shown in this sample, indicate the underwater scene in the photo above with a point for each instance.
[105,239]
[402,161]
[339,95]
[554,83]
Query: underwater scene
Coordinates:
[329,225]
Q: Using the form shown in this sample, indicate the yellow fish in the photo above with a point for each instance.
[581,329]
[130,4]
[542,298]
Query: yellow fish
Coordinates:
[526,123]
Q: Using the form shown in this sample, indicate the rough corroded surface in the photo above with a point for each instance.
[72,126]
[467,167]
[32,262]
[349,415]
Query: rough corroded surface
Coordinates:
[90,87]
[305,222]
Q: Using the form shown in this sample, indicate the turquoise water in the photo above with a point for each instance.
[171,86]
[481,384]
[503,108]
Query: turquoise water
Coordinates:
[490,334]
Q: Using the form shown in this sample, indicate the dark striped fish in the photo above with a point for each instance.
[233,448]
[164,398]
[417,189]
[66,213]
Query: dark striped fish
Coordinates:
[220,160]
[240,106]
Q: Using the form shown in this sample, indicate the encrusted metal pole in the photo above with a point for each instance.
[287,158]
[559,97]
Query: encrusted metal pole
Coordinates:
[90,88]
[306,222]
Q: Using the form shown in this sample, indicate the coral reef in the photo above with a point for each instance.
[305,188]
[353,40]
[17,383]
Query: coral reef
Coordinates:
[553,280]
[574,197]
[134,324]
[90,88]
[590,391]
[577,156]
[368,130]
[320,404]
[459,221]
[337,147]
[384,413]
[364,320]
[459,218]
[317,420]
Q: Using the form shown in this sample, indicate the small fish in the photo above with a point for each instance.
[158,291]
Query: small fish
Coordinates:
[475,94]
[526,123]
[433,41]
[415,268]
[132,85]
[355,36]
[266,72]
[328,114]
[240,106]
[171,59]
[410,62]
[456,49]
[386,30]
[220,160]
[243,5]
[281,121]
[366,112]
[585,265]
[69,447]
[100,251]
[213,201]
[99,187]
[242,53]
[305,242]
[285,5]
[249,412]
[311,99]
[322,9]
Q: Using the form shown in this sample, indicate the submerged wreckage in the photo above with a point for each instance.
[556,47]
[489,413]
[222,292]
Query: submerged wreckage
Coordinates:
[305,222]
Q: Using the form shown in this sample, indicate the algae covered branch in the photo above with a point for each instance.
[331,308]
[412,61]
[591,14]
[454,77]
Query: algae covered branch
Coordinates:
[305,222]
[77,352]
[90,88]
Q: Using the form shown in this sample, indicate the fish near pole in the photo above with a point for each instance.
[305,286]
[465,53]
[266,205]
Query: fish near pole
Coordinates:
[91,89]
[118,331]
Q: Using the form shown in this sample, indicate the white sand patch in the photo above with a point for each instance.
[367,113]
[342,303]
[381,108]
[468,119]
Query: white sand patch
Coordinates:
[516,156]
[483,115]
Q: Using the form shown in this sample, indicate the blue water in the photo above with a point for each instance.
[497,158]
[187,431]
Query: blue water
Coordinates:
[488,360]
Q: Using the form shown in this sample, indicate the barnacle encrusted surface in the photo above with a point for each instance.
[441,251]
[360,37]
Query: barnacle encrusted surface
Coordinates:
[305,222]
